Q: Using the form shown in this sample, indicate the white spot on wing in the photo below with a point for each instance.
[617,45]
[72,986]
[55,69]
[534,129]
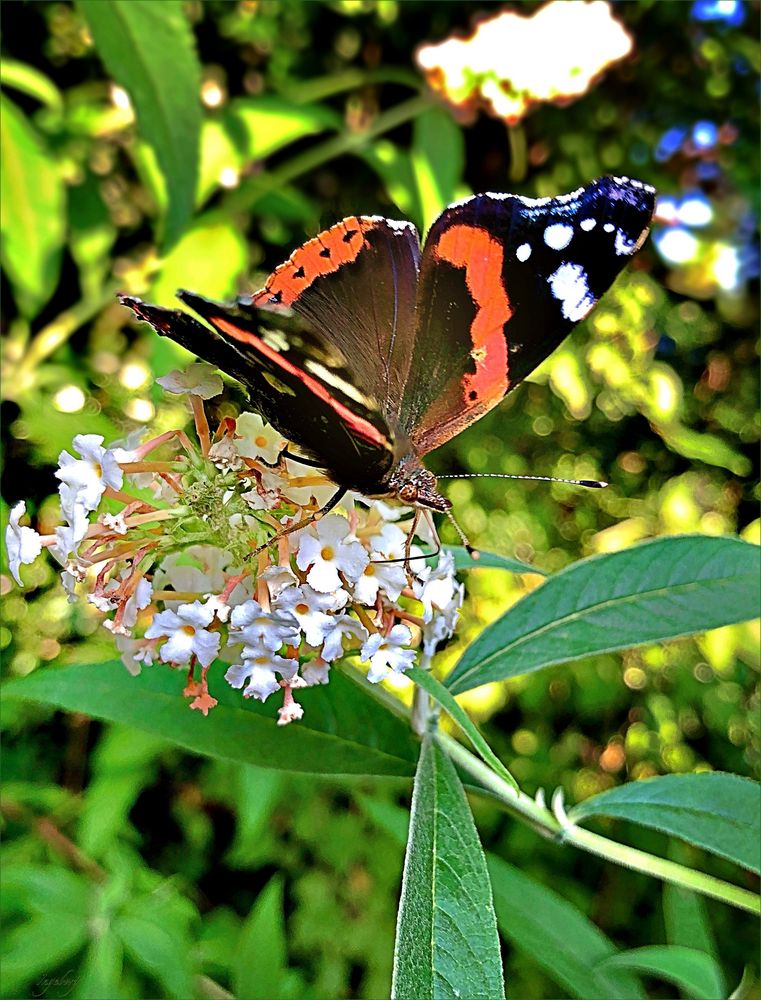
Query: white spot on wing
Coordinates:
[523,252]
[570,287]
[623,244]
[588,224]
[558,235]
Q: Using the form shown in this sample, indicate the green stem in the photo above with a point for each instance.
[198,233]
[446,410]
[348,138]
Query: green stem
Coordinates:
[308,91]
[544,822]
[243,198]
[518,153]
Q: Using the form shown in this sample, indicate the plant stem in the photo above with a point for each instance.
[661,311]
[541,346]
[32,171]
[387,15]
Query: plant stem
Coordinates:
[249,192]
[537,815]
[308,91]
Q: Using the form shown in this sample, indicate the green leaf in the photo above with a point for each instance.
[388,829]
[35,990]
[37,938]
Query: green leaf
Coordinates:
[394,168]
[149,50]
[556,935]
[29,80]
[154,948]
[693,971]
[438,161]
[686,919]
[101,971]
[446,935]
[344,731]
[212,255]
[32,222]
[658,590]
[92,235]
[387,816]
[718,812]
[260,126]
[39,945]
[260,959]
[489,560]
[47,889]
[436,690]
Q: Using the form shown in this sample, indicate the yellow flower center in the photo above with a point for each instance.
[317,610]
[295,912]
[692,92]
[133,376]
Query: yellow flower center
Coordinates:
[261,441]
[327,553]
[302,609]
[369,570]
[98,469]
[189,629]
[261,661]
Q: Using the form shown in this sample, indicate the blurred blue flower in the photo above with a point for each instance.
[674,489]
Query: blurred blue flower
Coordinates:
[730,12]
[670,143]
[705,134]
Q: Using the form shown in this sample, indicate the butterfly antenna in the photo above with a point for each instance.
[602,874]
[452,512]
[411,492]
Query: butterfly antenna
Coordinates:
[594,484]
[473,553]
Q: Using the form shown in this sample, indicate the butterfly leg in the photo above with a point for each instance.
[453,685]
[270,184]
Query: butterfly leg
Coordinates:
[285,453]
[325,509]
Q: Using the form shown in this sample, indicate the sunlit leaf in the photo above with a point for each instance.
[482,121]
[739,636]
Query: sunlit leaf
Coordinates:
[136,39]
[343,731]
[32,222]
[718,812]
[490,560]
[692,971]
[438,160]
[556,935]
[30,81]
[261,126]
[446,937]
[658,590]
[394,167]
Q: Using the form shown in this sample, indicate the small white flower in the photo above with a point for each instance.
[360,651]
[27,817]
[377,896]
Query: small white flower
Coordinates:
[225,455]
[309,609]
[22,544]
[84,480]
[291,712]
[264,500]
[278,578]
[323,550]
[341,625]
[135,652]
[140,599]
[437,588]
[186,634]
[316,671]
[200,569]
[254,626]
[389,577]
[69,536]
[390,512]
[258,439]
[197,380]
[259,669]
[115,522]
[69,583]
[387,653]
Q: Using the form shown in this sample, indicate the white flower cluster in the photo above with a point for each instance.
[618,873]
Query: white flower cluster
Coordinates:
[175,560]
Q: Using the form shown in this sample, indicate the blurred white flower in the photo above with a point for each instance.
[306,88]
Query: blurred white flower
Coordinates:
[388,653]
[324,551]
[196,380]
[22,544]
[186,634]
[340,627]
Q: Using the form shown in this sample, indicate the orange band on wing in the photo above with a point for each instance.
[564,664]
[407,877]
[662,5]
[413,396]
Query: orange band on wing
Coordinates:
[361,427]
[482,257]
[339,245]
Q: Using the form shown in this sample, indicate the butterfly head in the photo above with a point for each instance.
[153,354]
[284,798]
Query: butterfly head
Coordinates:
[415,486]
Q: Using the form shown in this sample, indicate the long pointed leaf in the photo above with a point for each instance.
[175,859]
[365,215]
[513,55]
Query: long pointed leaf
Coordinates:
[658,590]
[446,936]
[719,812]
[693,971]
[343,730]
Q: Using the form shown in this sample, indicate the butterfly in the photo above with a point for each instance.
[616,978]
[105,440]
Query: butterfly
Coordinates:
[367,351]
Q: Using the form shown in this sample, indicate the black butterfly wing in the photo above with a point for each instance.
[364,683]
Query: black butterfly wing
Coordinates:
[355,285]
[297,382]
[503,280]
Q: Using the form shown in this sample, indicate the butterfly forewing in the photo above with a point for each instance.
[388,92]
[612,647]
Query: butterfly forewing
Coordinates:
[503,280]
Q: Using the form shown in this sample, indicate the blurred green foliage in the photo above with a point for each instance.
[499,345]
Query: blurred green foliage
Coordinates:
[167,866]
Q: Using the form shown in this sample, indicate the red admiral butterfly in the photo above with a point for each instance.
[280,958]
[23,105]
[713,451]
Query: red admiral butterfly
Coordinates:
[367,352]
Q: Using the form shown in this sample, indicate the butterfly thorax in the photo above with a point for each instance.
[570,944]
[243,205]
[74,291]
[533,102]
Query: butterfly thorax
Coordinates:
[413,484]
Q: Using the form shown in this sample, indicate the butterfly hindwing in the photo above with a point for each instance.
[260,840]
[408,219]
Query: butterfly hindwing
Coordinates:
[503,280]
